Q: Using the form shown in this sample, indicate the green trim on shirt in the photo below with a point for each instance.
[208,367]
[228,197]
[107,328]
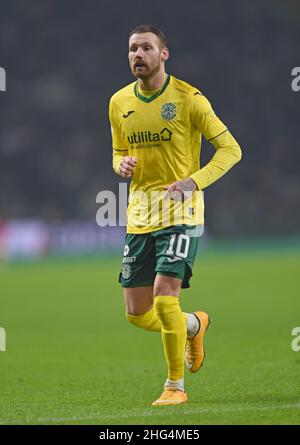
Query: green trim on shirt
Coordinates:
[155,95]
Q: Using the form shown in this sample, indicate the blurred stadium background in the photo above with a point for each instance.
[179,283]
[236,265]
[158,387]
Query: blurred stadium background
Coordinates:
[63,61]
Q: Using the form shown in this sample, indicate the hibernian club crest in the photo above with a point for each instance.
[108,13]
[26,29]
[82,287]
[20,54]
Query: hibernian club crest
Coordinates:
[126,271]
[168,111]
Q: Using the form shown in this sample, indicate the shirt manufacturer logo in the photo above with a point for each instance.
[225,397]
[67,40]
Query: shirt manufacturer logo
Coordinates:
[128,114]
[171,260]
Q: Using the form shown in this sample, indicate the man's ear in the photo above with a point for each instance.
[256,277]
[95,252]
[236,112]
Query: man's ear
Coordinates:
[164,54]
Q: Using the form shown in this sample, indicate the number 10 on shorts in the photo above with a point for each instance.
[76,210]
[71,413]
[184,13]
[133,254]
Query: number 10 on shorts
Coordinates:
[182,245]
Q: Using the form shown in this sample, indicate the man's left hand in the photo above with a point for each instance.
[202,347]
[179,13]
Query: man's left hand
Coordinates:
[181,190]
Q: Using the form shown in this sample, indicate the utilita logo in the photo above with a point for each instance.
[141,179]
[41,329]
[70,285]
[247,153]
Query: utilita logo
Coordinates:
[140,137]
[2,79]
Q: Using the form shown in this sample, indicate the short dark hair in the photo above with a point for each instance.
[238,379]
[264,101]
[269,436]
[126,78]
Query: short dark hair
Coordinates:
[150,28]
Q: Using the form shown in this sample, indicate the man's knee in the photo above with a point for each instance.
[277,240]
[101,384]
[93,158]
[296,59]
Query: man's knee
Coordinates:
[149,320]
[165,285]
[136,320]
[139,300]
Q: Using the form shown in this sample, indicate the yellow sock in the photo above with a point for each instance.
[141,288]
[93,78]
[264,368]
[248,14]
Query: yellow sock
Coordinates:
[173,332]
[151,322]
[148,321]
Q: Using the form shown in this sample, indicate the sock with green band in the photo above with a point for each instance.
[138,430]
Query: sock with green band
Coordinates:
[173,333]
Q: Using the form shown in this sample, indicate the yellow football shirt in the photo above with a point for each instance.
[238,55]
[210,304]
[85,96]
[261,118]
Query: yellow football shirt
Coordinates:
[163,132]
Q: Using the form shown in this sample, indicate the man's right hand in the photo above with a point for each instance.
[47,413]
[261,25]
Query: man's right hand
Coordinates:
[126,166]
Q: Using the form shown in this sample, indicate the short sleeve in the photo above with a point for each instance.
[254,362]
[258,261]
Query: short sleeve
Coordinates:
[204,118]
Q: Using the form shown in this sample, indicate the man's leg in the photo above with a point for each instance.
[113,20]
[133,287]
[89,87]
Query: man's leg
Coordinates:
[174,334]
[165,316]
[176,249]
[137,278]
[139,308]
[141,313]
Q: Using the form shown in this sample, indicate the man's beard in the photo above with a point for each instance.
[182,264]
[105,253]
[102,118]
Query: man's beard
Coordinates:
[148,72]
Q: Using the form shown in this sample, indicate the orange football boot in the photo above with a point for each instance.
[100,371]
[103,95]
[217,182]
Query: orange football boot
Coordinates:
[194,352]
[171,396]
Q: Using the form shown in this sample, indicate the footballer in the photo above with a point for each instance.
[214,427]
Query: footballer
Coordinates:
[157,124]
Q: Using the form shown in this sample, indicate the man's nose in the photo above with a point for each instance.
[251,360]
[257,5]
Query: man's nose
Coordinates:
[139,52]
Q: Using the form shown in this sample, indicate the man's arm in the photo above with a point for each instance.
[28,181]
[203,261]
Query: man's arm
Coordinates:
[123,164]
[228,153]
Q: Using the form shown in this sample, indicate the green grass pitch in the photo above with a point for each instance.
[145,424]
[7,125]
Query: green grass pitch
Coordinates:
[72,358]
